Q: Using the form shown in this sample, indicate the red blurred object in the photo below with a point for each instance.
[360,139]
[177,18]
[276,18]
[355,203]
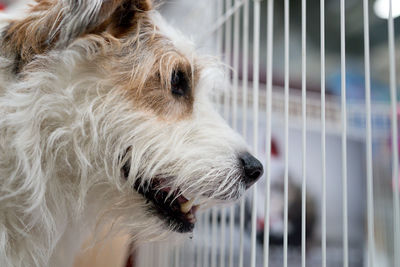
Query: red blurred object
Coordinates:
[274,149]
[260,224]
[2,6]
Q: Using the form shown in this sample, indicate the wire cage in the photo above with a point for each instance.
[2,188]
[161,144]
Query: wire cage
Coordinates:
[314,93]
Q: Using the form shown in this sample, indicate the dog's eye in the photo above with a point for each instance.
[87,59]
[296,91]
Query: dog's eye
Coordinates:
[179,84]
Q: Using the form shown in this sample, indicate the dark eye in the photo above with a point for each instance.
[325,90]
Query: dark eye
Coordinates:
[179,84]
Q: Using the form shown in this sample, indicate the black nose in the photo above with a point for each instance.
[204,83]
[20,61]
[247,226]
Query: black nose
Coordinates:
[252,167]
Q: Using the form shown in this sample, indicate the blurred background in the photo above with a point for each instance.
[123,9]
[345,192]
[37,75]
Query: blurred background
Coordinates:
[199,21]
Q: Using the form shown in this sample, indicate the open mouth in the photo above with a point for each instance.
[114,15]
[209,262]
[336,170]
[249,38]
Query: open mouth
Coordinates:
[170,205]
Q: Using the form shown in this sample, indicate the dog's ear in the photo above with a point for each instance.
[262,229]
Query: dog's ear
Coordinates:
[56,23]
[122,16]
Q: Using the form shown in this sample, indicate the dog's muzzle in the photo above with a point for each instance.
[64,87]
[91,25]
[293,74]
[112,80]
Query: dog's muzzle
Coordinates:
[170,204]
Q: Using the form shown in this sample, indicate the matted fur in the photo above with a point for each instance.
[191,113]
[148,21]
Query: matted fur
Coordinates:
[83,92]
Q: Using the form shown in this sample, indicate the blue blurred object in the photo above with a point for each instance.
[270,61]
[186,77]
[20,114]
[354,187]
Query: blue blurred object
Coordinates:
[355,83]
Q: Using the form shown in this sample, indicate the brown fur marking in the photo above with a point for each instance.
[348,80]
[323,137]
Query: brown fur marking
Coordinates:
[26,38]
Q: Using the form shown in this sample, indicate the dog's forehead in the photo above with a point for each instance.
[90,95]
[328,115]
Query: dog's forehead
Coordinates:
[181,42]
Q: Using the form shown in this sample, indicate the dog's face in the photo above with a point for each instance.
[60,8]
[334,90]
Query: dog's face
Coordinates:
[128,115]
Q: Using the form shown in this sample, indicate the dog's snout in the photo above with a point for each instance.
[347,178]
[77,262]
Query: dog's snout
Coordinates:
[252,167]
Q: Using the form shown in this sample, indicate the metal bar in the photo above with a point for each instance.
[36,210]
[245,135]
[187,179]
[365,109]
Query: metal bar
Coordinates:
[214,215]
[227,110]
[161,252]
[145,255]
[206,238]
[370,188]
[241,242]
[219,31]
[177,256]
[235,68]
[153,251]
[344,132]
[286,176]
[228,51]
[395,147]
[222,238]
[231,234]
[234,118]
[219,48]
[245,76]
[270,36]
[201,228]
[213,238]
[167,256]
[190,251]
[222,19]
[304,131]
[323,135]
[164,254]
[256,78]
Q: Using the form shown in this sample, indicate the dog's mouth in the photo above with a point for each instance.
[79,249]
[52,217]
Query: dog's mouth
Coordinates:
[169,204]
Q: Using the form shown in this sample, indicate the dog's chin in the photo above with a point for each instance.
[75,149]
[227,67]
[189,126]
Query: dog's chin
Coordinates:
[178,213]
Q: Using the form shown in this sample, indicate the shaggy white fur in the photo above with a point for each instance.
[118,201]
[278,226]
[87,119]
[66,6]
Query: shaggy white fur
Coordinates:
[69,125]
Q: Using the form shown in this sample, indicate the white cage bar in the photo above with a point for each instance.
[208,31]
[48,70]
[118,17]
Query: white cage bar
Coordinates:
[270,36]
[304,131]
[395,148]
[245,77]
[286,177]
[256,73]
[344,132]
[370,188]
[323,136]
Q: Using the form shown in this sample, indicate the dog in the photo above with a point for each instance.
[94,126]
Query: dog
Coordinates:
[106,118]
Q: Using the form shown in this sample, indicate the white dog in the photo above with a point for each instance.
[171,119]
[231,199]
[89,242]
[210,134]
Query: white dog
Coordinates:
[105,117]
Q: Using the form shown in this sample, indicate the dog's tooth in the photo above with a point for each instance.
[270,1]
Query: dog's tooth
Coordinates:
[187,206]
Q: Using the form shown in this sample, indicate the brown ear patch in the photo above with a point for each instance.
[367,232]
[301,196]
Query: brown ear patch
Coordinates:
[56,23]
[125,16]
[144,5]
[28,37]
[119,16]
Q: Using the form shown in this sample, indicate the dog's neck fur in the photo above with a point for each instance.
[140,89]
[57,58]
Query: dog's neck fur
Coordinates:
[35,204]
